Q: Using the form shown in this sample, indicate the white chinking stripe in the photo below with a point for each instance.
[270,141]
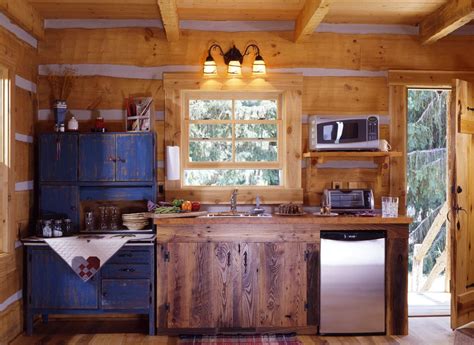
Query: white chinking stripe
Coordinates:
[118,71]
[23,186]
[25,84]
[231,26]
[84,114]
[156,73]
[101,23]
[10,300]
[6,23]
[24,138]
[366,29]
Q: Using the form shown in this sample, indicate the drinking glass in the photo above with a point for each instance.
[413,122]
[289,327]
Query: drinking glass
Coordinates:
[389,207]
[89,221]
[114,217]
[103,218]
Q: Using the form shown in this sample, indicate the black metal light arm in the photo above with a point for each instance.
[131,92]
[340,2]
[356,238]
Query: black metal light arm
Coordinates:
[254,46]
[217,47]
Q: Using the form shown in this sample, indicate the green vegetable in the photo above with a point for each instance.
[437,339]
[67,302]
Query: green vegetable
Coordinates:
[167,209]
[177,202]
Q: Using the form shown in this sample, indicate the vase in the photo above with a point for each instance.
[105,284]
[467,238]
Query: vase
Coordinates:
[59,111]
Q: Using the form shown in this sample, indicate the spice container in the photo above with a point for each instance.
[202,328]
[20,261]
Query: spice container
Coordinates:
[58,228]
[47,230]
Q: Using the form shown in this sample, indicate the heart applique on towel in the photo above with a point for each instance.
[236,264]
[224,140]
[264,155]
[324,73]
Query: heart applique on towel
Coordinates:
[85,268]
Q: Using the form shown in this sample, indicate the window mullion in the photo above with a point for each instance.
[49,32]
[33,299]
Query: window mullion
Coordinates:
[233,130]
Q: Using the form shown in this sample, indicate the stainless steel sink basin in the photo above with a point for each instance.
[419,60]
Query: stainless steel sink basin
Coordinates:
[236,215]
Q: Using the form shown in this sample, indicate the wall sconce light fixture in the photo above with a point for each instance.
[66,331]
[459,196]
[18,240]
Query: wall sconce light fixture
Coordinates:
[233,59]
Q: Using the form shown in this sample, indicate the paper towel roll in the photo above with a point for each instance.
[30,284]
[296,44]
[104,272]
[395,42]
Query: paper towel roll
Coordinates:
[172,163]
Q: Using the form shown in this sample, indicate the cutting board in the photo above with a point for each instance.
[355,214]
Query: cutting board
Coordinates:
[176,215]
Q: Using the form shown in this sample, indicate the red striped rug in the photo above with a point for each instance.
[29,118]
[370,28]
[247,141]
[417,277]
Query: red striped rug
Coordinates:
[265,339]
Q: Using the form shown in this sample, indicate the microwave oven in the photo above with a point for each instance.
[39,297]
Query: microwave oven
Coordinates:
[355,133]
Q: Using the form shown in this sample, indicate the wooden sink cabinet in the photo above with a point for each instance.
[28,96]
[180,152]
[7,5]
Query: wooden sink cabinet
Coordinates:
[256,275]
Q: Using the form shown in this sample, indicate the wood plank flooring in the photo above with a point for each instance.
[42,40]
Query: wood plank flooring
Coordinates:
[423,331]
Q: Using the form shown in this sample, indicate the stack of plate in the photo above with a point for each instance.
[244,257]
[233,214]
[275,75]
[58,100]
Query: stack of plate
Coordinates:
[135,221]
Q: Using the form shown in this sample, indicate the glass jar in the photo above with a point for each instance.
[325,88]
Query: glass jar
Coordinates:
[114,217]
[103,218]
[58,228]
[47,229]
[89,221]
[67,228]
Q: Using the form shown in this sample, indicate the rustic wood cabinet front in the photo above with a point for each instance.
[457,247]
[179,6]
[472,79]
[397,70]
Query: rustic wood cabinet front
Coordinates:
[237,285]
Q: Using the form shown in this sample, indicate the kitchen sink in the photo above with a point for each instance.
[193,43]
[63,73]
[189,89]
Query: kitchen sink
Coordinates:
[236,215]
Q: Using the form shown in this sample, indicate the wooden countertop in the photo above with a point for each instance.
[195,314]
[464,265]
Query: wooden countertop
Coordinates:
[306,219]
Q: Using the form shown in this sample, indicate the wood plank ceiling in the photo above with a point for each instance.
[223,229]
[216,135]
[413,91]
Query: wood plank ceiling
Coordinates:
[341,11]
[437,18]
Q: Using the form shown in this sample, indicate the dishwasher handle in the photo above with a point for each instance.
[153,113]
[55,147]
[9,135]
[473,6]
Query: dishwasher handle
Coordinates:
[352,236]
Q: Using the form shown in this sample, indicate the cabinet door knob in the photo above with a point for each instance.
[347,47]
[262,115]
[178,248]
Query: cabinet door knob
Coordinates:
[121,160]
[112,159]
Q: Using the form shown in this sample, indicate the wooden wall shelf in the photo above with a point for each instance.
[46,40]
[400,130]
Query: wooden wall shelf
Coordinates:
[376,156]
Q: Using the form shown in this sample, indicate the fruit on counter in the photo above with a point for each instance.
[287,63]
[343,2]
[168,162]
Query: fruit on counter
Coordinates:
[177,202]
[167,209]
[187,206]
[196,206]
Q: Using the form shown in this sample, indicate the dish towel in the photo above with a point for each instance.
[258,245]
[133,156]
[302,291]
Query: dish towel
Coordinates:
[86,254]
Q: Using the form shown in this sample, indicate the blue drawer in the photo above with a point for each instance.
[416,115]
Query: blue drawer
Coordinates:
[125,293]
[126,271]
[131,256]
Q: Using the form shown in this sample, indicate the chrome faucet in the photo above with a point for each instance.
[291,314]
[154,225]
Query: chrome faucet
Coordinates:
[233,200]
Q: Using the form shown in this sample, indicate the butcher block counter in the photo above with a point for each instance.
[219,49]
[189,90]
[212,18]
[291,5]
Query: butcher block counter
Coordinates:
[258,274]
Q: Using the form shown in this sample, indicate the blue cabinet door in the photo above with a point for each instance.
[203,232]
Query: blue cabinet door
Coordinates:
[61,201]
[58,154]
[54,285]
[97,157]
[135,157]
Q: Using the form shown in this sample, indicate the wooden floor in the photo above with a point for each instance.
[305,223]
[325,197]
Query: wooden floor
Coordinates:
[423,331]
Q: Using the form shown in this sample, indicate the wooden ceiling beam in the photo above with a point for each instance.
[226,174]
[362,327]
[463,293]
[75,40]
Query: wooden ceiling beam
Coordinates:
[170,19]
[310,17]
[24,15]
[445,20]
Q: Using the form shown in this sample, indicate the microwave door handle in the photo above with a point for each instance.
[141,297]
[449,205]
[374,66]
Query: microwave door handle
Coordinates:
[340,127]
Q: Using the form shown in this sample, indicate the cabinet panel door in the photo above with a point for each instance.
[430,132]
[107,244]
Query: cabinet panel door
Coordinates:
[97,157]
[125,294]
[55,285]
[190,292]
[60,200]
[282,285]
[58,157]
[135,157]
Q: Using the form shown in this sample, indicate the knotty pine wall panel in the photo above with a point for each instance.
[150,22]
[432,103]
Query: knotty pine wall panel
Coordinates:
[149,47]
[24,111]
[98,92]
[21,60]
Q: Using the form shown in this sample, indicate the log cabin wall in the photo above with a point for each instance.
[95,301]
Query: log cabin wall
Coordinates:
[345,70]
[19,54]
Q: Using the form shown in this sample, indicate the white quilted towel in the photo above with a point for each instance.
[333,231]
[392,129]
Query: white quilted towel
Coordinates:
[86,254]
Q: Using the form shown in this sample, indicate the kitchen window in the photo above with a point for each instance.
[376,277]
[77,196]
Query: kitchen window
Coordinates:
[232,139]
[232,133]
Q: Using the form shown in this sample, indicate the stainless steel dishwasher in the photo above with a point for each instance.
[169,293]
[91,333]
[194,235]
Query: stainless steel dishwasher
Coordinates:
[352,297]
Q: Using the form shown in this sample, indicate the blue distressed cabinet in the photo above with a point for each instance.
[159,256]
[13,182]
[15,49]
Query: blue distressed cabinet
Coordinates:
[116,157]
[125,284]
[94,166]
[58,157]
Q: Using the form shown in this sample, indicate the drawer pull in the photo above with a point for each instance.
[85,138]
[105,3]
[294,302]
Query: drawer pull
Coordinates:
[127,270]
[128,255]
